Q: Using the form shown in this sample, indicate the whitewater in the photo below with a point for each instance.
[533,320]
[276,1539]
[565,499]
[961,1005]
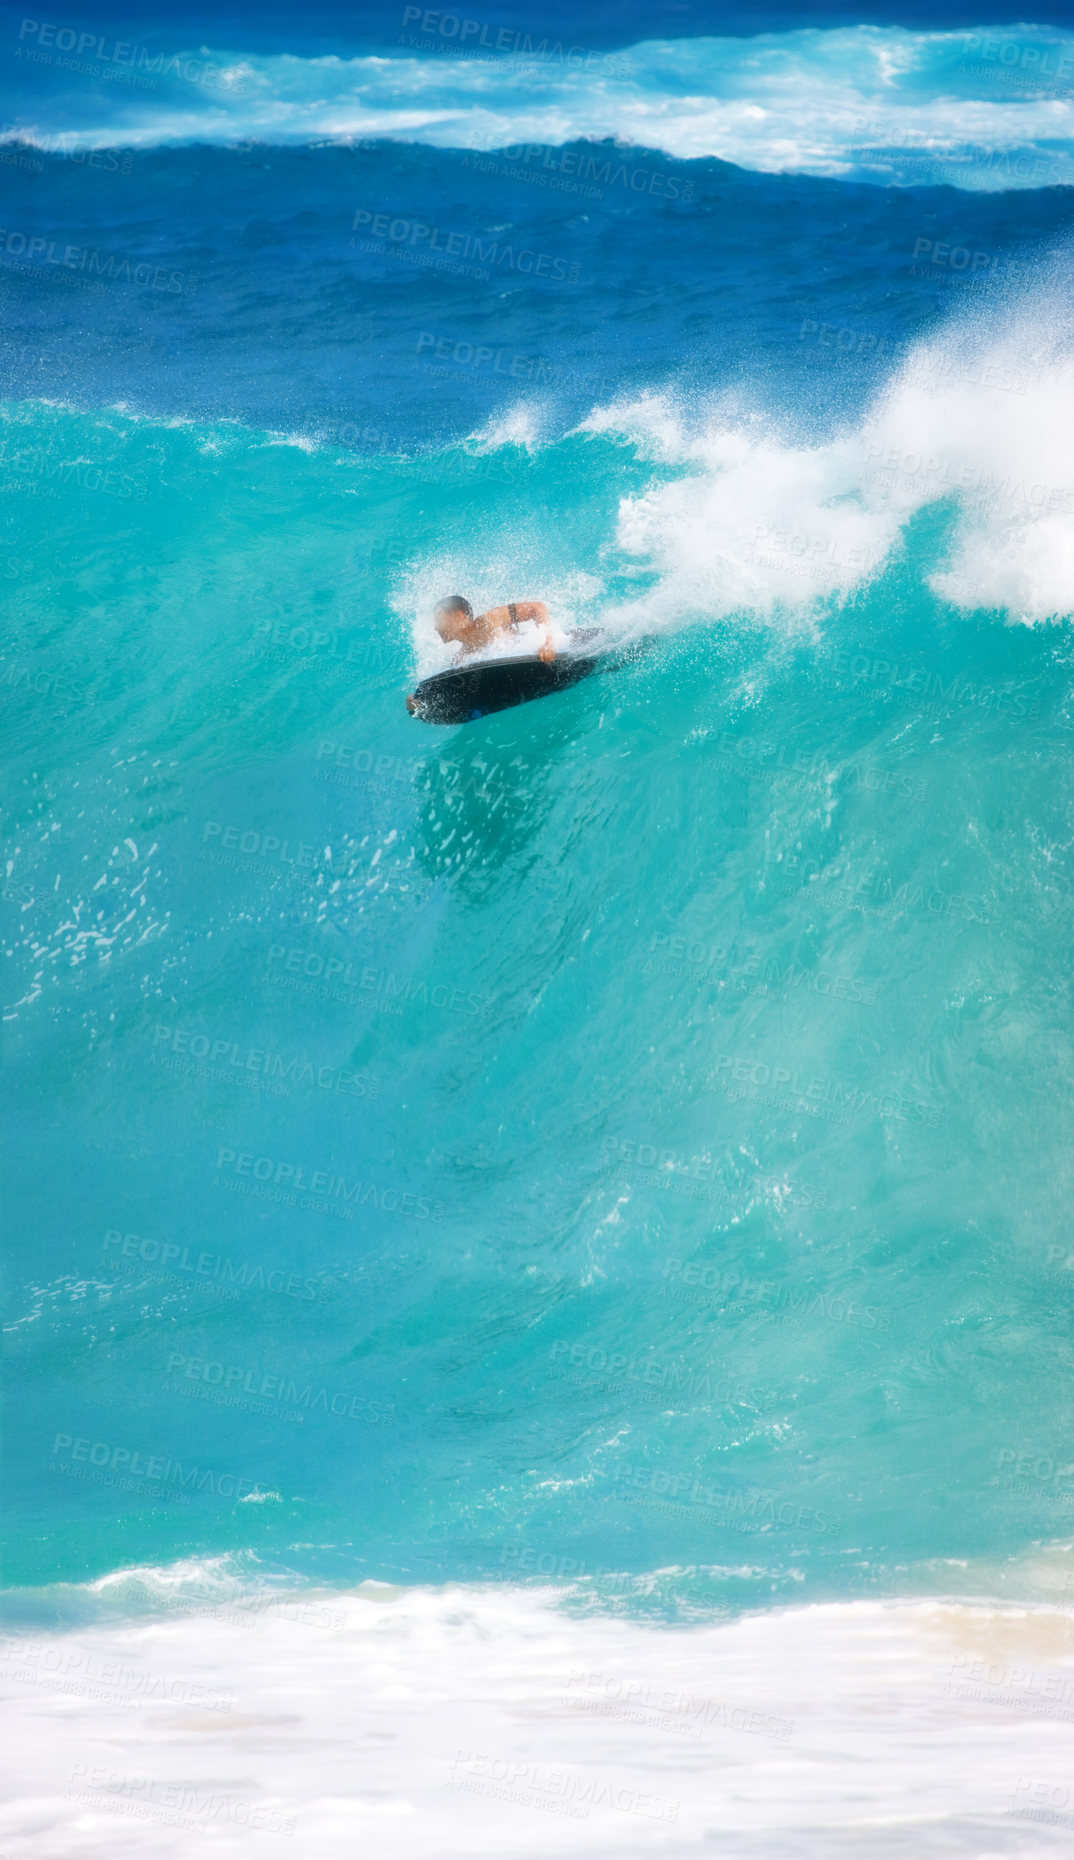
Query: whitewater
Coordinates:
[489,1721]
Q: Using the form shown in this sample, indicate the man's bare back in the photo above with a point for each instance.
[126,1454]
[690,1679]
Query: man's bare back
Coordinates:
[456,621]
[457,624]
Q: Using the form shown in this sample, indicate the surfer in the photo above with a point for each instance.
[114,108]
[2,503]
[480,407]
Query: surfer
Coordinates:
[456,620]
[456,623]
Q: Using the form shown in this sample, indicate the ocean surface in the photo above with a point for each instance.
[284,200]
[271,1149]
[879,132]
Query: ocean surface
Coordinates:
[539,1267]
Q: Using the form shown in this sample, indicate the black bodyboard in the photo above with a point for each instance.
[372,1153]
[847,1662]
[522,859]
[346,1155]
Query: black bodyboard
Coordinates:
[470,691]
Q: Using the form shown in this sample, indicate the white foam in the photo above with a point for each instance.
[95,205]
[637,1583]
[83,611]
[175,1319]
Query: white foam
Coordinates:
[486,1721]
[521,424]
[757,524]
[881,103]
[745,521]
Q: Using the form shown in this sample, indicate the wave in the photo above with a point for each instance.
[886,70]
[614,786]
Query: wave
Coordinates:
[959,473]
[984,110]
[148,688]
[958,477]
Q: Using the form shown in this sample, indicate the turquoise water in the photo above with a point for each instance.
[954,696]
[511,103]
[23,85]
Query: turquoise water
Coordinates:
[696,1040]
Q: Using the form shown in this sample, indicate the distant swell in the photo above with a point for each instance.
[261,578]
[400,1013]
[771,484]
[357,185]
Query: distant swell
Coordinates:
[982,110]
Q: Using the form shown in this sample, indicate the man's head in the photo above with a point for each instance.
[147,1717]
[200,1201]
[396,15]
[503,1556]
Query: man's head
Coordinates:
[454,618]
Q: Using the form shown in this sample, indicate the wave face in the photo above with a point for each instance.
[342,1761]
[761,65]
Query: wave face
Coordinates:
[563,1219]
[984,110]
[301,984]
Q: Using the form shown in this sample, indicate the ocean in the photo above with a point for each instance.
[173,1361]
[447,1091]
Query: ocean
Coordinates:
[538,1276]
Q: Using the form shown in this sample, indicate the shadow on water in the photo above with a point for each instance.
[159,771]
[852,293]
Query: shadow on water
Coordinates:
[486,794]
